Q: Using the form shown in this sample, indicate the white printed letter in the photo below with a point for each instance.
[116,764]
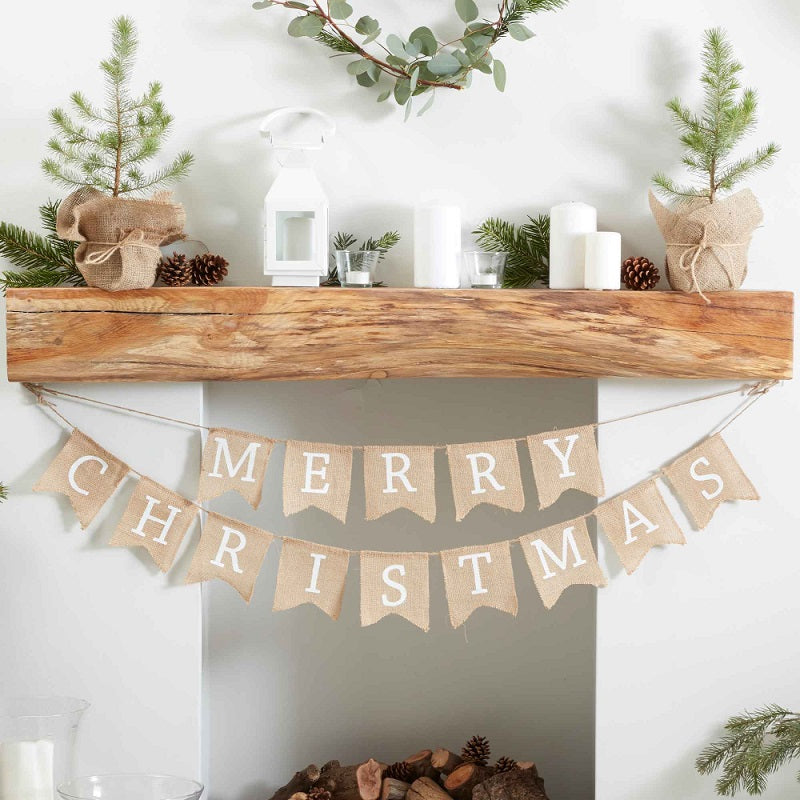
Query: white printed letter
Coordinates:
[711,476]
[165,524]
[477,474]
[223,451]
[318,559]
[394,585]
[391,474]
[563,458]
[474,557]
[74,468]
[568,543]
[225,547]
[633,519]
[310,473]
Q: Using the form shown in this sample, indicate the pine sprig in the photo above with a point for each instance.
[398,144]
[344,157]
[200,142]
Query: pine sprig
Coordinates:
[754,746]
[528,248]
[346,241]
[3,492]
[104,148]
[710,138]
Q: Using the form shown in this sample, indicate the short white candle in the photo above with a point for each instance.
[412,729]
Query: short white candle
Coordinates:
[603,260]
[26,770]
[437,247]
[569,224]
[486,279]
[357,276]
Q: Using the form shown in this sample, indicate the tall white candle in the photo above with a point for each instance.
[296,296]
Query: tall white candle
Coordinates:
[437,247]
[569,224]
[603,260]
[26,770]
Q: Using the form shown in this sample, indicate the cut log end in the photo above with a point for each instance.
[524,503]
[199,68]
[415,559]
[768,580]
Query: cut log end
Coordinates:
[445,761]
[369,779]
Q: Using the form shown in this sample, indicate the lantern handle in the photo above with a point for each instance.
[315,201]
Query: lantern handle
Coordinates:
[328,130]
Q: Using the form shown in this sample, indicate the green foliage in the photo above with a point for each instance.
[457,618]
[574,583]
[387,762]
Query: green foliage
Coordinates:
[528,248]
[710,138]
[106,148]
[43,260]
[346,241]
[421,63]
[3,492]
[753,747]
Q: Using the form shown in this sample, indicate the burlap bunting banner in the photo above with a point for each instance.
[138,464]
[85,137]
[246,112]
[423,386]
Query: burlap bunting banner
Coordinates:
[707,476]
[86,473]
[395,583]
[637,521]
[485,472]
[400,477]
[478,576]
[231,551]
[233,461]
[311,573]
[317,475]
[156,519]
[565,459]
[561,556]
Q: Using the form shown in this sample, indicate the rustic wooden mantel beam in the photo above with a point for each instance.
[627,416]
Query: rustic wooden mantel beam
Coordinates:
[218,333]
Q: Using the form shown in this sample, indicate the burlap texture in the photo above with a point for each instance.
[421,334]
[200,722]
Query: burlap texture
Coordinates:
[244,454]
[86,473]
[329,491]
[161,541]
[470,491]
[582,470]
[297,583]
[561,556]
[387,492]
[380,598]
[637,521]
[707,243]
[702,498]
[119,237]
[494,587]
[231,551]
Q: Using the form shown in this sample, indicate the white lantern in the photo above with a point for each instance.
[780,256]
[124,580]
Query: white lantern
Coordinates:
[296,210]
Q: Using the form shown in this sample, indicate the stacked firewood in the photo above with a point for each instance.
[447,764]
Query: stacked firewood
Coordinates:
[428,775]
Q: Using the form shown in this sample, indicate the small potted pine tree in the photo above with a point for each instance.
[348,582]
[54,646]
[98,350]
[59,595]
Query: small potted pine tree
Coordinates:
[100,152]
[708,234]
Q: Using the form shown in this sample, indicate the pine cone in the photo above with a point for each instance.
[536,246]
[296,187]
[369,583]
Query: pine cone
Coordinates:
[175,271]
[318,793]
[476,751]
[505,764]
[208,269]
[640,273]
[400,771]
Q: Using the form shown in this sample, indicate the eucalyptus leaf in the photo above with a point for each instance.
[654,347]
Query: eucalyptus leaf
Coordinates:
[499,75]
[357,67]
[427,105]
[414,79]
[365,79]
[520,32]
[477,41]
[308,25]
[394,61]
[467,10]
[396,45]
[339,9]
[484,68]
[408,110]
[412,50]
[297,4]
[384,96]
[402,91]
[262,4]
[372,37]
[367,25]
[444,64]
[425,40]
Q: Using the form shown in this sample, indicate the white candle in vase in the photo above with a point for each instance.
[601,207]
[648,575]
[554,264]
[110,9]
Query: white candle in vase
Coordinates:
[603,260]
[484,279]
[437,247]
[357,276]
[569,224]
[26,770]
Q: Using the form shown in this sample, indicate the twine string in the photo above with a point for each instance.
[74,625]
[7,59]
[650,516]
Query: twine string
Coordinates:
[134,238]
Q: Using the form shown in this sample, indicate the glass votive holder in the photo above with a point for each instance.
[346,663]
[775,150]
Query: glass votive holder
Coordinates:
[485,270]
[130,787]
[357,268]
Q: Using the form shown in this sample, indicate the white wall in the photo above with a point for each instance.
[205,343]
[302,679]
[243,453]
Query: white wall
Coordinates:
[700,632]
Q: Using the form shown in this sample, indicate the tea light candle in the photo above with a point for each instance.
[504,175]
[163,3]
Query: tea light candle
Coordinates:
[26,770]
[603,260]
[437,247]
[569,224]
[484,279]
[358,277]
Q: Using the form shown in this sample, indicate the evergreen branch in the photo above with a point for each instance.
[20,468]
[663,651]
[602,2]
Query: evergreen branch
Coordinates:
[762,159]
[345,241]
[383,244]
[27,250]
[528,248]
[40,277]
[336,42]
[3,492]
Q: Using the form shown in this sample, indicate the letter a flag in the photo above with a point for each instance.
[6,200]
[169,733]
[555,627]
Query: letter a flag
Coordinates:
[233,461]
[478,576]
[311,573]
[86,474]
[317,475]
[637,521]
[399,477]
[561,556]
[231,551]
[395,583]
[707,476]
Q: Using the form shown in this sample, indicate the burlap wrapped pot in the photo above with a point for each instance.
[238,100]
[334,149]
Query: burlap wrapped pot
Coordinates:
[707,243]
[119,237]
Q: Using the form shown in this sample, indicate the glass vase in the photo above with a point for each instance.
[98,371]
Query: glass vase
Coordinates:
[130,787]
[357,268]
[37,739]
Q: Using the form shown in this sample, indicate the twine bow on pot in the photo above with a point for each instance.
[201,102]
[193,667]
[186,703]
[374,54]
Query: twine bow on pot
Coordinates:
[134,238]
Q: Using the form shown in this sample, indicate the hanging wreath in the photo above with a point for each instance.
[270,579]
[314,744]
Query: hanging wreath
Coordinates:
[422,63]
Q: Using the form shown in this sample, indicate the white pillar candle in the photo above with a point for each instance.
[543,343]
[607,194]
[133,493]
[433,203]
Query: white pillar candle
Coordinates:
[437,247]
[603,260]
[569,224]
[298,239]
[26,770]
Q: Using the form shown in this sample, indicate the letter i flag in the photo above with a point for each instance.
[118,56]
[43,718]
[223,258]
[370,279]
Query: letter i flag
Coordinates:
[478,576]
[395,583]
[156,519]
[86,473]
[561,556]
[311,573]
[707,476]
[317,475]
[485,472]
[400,477]
[233,461]
[231,551]
[565,459]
